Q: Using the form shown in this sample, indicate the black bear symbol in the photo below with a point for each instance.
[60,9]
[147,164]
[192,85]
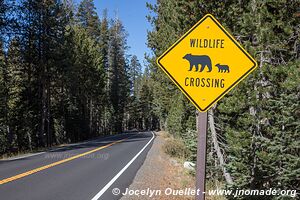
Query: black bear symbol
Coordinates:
[196,60]
[223,68]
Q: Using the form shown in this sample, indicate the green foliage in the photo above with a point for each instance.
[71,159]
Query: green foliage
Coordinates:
[64,75]
[175,117]
[16,80]
[135,72]
[3,102]
[190,140]
[139,110]
[119,86]
[88,19]
[257,122]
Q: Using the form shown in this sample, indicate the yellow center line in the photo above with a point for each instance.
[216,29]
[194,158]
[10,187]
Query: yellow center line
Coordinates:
[56,163]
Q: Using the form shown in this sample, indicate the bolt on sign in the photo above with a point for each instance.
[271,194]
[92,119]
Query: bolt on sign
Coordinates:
[206,63]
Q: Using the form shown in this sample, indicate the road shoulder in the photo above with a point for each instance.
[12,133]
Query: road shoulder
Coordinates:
[159,172]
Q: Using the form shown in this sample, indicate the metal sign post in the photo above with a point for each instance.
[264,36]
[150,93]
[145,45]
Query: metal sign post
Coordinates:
[205,64]
[201,154]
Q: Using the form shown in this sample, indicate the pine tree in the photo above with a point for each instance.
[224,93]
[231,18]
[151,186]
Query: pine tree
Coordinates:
[144,107]
[43,36]
[253,117]
[88,18]
[104,39]
[85,86]
[2,15]
[135,75]
[18,135]
[135,71]
[118,77]
[104,47]
[58,73]
[3,102]
[174,18]
[4,20]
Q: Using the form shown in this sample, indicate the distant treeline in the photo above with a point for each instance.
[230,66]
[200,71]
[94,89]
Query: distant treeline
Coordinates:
[258,122]
[65,75]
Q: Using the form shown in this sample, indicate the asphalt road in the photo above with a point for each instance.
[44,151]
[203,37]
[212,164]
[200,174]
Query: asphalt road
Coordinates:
[87,171]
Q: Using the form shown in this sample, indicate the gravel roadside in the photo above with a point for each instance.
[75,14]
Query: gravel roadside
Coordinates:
[158,173]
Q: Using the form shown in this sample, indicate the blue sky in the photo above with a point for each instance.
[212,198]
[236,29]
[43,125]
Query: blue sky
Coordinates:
[133,15]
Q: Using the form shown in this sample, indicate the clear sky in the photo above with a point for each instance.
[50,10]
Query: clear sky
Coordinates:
[133,15]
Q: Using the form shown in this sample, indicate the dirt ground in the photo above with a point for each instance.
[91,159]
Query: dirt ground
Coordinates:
[160,172]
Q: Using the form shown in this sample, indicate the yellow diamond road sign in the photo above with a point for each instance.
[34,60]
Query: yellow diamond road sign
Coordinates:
[206,63]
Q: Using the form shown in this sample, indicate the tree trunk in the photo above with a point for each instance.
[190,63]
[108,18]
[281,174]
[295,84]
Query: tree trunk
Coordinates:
[91,118]
[217,148]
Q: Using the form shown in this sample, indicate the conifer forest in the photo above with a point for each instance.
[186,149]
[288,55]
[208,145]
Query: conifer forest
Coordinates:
[66,76]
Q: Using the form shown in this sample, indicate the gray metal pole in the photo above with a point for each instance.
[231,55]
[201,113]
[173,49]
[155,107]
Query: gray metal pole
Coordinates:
[201,154]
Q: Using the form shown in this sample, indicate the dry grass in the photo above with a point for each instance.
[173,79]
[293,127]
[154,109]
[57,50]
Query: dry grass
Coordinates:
[164,134]
[175,148]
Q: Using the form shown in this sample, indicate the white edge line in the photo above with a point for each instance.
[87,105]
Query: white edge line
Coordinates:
[99,194]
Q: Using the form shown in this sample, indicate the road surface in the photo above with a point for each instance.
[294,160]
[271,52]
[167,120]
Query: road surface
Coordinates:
[86,171]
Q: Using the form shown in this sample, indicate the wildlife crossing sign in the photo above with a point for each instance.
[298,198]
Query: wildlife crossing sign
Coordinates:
[206,63]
